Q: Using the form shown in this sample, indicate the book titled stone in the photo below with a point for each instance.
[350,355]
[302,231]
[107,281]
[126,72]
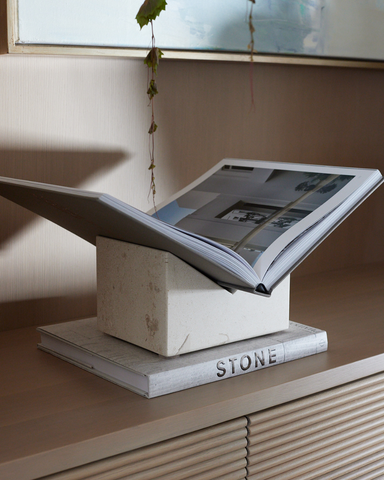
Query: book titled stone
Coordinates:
[151,375]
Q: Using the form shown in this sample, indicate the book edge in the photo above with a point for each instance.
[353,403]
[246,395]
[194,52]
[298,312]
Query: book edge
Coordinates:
[315,342]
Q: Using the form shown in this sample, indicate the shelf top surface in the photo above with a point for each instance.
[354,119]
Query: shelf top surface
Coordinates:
[55,416]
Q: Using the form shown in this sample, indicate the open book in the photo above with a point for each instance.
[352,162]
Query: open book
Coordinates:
[245,224]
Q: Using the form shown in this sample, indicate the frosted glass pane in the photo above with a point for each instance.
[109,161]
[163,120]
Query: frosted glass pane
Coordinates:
[330,28]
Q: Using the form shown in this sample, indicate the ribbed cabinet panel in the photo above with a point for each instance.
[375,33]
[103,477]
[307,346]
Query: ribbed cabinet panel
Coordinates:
[330,435]
[209,454]
[368,467]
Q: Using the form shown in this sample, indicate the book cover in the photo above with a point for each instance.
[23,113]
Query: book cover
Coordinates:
[151,375]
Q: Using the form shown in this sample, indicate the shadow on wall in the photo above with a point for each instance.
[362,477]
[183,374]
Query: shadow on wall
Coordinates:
[41,311]
[66,168]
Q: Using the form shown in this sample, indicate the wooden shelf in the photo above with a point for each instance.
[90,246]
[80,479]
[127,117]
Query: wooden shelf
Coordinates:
[55,416]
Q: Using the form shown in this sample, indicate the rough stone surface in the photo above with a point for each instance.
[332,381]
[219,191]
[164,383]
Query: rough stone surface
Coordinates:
[155,300]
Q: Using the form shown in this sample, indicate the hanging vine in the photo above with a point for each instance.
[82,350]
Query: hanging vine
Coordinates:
[251,47]
[147,13]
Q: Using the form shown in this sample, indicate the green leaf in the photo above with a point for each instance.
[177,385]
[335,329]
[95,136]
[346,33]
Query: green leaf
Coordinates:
[149,10]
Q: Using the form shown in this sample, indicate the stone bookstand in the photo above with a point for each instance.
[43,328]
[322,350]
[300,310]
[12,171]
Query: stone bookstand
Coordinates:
[155,300]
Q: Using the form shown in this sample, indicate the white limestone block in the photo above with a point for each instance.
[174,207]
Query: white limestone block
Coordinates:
[155,300]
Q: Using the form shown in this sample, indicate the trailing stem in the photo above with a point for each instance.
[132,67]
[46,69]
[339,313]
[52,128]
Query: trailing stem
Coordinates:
[151,92]
[251,47]
[148,12]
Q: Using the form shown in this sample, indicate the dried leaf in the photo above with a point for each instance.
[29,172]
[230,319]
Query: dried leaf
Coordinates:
[153,57]
[152,128]
[152,89]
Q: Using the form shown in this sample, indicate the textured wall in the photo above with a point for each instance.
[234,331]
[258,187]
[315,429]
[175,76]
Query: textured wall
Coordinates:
[82,122]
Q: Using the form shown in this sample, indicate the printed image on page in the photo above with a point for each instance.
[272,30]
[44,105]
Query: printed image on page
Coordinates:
[248,208]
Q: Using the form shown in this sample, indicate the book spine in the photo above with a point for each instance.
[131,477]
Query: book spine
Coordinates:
[239,364]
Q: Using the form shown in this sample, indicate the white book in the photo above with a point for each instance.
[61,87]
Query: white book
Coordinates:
[245,224]
[151,375]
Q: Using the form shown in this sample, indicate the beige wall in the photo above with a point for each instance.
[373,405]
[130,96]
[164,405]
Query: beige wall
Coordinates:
[82,122]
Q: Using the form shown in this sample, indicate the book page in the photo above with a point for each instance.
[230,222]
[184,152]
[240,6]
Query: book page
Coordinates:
[258,208]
